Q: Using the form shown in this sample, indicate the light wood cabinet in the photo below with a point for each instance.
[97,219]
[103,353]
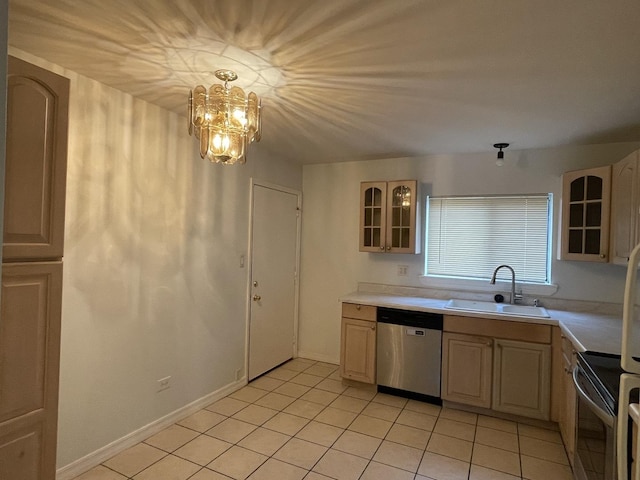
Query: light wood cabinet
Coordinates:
[586,207]
[567,398]
[29,350]
[389,217]
[31,298]
[467,369]
[522,378]
[498,364]
[625,207]
[358,343]
[35,172]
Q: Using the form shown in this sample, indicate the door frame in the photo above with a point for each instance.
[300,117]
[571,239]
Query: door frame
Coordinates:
[296,299]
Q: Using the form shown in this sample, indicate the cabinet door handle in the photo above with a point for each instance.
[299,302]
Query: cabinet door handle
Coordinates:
[358,307]
[381,247]
[602,255]
[373,327]
[257,298]
[388,248]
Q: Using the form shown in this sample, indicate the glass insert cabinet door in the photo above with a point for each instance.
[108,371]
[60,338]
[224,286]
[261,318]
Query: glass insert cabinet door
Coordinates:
[388,217]
[586,197]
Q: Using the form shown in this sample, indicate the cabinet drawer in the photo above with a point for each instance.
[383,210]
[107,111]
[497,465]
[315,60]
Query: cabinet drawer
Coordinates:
[361,312]
[511,330]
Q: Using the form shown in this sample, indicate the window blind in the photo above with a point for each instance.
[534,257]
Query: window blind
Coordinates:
[470,236]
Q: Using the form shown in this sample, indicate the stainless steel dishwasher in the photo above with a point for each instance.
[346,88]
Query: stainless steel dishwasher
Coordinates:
[409,353]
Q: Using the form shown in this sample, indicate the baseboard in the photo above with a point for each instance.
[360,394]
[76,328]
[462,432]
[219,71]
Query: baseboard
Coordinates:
[318,357]
[95,458]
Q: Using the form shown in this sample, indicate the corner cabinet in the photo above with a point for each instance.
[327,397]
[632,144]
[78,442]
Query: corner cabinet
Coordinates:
[625,208]
[389,217]
[586,198]
[358,343]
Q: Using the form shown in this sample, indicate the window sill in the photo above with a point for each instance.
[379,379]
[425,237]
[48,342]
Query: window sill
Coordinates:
[468,285]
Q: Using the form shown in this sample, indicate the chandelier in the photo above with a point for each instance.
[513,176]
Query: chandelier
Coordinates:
[224,120]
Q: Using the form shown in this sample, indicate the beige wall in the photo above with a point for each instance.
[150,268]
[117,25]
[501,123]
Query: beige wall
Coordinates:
[332,266]
[152,279]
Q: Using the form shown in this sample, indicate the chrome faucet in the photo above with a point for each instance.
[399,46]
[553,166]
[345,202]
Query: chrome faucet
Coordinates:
[515,297]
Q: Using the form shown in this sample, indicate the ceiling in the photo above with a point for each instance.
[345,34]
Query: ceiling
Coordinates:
[362,79]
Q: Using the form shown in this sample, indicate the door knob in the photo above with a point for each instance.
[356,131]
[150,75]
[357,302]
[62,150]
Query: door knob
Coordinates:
[256,298]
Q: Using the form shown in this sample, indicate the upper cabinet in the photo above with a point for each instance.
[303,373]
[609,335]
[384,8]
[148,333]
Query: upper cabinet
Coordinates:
[388,217]
[35,175]
[586,196]
[625,207]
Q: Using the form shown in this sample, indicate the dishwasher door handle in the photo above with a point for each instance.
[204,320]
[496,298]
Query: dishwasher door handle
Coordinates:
[416,332]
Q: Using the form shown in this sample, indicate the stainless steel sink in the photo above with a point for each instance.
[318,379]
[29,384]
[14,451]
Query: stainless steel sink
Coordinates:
[497,308]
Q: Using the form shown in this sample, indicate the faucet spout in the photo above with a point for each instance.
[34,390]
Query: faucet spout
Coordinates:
[514,297]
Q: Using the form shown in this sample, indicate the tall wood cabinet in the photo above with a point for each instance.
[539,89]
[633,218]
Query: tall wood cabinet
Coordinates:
[586,198]
[625,207]
[358,343]
[35,179]
[389,217]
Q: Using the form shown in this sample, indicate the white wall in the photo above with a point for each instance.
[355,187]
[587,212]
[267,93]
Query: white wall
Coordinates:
[152,282]
[332,266]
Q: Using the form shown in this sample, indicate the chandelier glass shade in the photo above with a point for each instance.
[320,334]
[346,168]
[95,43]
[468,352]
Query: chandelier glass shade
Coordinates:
[224,120]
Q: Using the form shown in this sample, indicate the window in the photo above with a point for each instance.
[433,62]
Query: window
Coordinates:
[468,237]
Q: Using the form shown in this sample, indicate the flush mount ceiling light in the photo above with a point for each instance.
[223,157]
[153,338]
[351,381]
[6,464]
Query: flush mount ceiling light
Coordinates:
[224,120]
[500,146]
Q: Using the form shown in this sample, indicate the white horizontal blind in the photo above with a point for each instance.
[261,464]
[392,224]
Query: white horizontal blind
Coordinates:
[470,236]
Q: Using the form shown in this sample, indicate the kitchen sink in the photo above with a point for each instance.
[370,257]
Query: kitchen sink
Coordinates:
[497,308]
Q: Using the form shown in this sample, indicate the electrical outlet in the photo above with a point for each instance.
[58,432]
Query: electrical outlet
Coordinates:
[402,270]
[164,383]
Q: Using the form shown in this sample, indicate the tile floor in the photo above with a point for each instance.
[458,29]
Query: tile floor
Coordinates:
[299,422]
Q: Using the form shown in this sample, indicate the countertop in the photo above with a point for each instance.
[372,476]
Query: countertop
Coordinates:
[587,331]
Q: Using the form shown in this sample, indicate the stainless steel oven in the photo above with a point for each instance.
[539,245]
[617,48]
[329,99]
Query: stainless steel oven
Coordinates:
[595,454]
[597,380]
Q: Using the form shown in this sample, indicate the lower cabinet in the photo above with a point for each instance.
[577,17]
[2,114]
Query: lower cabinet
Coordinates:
[567,394]
[466,367]
[497,364]
[358,343]
[522,378]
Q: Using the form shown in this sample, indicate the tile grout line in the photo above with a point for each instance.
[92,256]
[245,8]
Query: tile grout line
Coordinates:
[361,413]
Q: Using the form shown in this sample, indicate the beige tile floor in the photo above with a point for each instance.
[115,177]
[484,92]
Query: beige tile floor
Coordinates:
[299,422]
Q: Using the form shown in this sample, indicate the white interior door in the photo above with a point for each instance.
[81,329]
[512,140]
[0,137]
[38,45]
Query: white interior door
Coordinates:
[273,278]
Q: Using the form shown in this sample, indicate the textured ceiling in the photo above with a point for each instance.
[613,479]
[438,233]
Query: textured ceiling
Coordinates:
[359,79]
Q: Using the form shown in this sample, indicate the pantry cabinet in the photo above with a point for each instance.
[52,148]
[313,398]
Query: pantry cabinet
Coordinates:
[492,355]
[586,208]
[31,300]
[467,369]
[514,392]
[625,208]
[36,163]
[358,343]
[389,217]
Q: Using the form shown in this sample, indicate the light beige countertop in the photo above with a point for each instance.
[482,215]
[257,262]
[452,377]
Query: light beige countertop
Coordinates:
[587,331]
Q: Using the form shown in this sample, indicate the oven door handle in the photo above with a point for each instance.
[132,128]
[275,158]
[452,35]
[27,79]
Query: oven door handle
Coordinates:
[595,408]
